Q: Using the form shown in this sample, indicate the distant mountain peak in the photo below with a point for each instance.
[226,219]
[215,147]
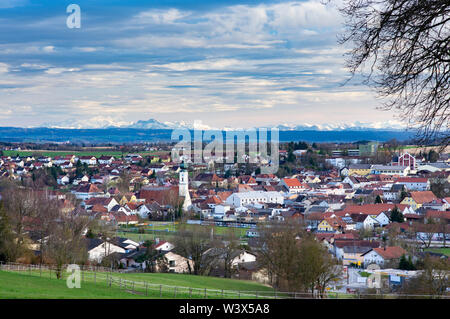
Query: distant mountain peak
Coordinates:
[103,123]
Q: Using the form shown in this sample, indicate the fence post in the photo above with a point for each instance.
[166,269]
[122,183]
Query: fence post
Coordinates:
[205,294]
[120,283]
[50,268]
[256,295]
[95,276]
[160,291]
[222,293]
[40,270]
[146,288]
[175,292]
[239,294]
[190,292]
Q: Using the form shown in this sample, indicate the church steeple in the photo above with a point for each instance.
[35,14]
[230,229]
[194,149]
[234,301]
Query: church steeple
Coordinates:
[184,186]
[184,180]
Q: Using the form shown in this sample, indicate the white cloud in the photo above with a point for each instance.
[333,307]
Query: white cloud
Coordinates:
[48,49]
[4,68]
[61,70]
[220,64]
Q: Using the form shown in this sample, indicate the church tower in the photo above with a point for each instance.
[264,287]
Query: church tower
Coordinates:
[183,187]
[184,180]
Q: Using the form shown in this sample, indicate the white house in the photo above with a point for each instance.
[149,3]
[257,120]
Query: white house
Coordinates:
[414,184]
[106,160]
[382,255]
[245,198]
[243,257]
[143,211]
[98,249]
[293,185]
[221,210]
[164,246]
[390,170]
[88,160]
[382,219]
[63,180]
[177,263]
[370,222]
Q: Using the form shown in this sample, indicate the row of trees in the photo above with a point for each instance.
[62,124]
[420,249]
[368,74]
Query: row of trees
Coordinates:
[31,220]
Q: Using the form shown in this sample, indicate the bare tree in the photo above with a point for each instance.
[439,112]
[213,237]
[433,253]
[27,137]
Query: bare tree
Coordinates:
[20,206]
[6,235]
[192,242]
[227,251]
[426,232]
[432,280]
[405,45]
[297,259]
[66,244]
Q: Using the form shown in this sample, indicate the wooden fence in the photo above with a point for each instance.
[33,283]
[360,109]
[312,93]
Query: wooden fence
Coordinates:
[115,278]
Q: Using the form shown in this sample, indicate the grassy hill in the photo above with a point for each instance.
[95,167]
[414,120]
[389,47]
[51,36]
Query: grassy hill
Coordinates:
[127,285]
[15,285]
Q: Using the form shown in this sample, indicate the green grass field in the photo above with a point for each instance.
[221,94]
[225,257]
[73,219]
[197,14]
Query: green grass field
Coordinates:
[165,231]
[147,236]
[15,285]
[43,284]
[445,251]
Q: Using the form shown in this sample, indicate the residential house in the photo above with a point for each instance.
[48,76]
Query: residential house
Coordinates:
[384,256]
[417,199]
[98,249]
[390,170]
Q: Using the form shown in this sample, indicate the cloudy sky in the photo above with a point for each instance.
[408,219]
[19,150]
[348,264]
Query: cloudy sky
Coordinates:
[227,63]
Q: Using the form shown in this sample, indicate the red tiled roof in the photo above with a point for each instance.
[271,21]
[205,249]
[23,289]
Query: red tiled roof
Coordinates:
[392,252]
[224,195]
[162,195]
[437,214]
[423,197]
[371,209]
[99,209]
[361,243]
[292,182]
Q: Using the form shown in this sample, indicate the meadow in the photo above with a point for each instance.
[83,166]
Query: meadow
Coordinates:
[42,283]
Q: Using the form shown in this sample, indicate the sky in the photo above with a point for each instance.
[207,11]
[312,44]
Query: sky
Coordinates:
[225,63]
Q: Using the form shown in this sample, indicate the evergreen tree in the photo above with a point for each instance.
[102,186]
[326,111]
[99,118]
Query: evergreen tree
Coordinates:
[396,215]
[378,200]
[406,264]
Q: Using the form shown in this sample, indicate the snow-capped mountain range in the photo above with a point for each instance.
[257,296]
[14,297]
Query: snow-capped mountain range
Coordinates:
[104,123]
